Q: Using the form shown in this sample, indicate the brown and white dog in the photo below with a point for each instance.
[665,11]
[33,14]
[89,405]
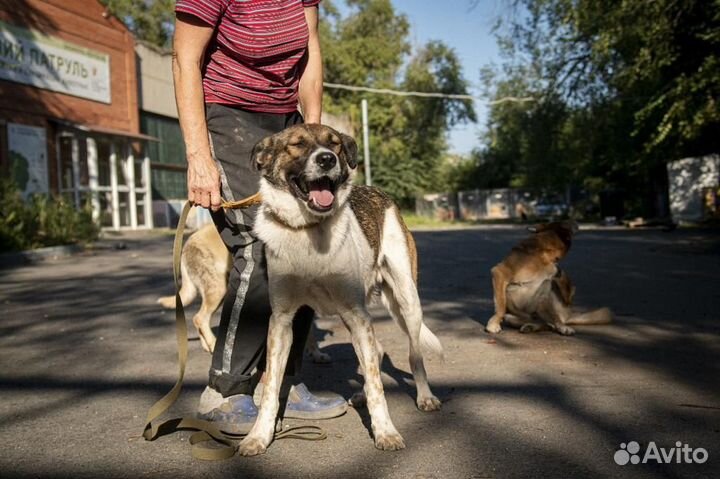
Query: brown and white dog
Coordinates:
[204,268]
[330,245]
[532,293]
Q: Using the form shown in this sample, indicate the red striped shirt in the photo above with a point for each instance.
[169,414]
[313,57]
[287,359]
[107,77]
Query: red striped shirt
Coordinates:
[256,55]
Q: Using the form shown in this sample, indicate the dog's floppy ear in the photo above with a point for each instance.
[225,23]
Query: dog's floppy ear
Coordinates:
[350,150]
[261,155]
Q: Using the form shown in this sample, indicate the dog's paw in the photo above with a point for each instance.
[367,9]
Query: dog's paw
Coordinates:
[207,345]
[320,358]
[565,330]
[529,328]
[358,400]
[428,404]
[390,442]
[493,327]
[252,446]
[167,302]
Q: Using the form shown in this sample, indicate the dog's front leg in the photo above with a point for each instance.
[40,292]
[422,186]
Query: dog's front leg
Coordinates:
[500,283]
[280,337]
[358,399]
[386,435]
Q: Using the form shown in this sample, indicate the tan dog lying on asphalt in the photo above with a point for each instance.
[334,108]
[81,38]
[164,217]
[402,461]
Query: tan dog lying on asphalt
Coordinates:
[330,246]
[204,268]
[532,293]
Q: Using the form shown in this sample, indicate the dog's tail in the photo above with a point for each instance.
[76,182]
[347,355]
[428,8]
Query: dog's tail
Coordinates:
[188,291]
[167,302]
[430,343]
[597,316]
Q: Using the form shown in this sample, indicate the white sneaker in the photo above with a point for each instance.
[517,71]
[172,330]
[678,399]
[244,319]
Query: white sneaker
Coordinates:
[209,399]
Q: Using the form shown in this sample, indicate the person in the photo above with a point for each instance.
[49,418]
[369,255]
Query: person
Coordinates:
[241,69]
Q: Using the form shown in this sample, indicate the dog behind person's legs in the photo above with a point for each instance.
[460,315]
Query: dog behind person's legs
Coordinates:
[312,347]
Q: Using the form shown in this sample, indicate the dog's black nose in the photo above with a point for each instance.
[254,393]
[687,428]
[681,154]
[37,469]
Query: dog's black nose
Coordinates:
[326,160]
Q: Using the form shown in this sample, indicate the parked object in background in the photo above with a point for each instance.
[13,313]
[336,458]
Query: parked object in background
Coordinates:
[551,207]
[711,197]
[437,206]
[693,186]
[495,204]
[665,223]
[491,204]
[610,221]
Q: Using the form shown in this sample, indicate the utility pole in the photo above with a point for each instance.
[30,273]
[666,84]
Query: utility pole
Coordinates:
[366,142]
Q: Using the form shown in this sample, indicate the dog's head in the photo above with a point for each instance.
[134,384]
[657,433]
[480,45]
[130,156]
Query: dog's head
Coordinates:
[306,169]
[565,230]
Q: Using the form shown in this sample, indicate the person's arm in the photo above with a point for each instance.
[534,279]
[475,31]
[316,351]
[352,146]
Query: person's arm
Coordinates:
[189,43]
[310,89]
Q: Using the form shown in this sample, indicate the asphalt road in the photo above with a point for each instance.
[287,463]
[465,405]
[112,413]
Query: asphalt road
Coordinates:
[84,351]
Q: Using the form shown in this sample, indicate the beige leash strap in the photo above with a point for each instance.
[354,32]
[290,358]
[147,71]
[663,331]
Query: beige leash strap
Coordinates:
[208,443]
[253,200]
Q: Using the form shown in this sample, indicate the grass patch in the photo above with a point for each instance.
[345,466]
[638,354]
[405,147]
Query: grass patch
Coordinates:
[413,220]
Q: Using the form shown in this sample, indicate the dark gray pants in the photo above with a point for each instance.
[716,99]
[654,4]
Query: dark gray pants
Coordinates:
[242,336]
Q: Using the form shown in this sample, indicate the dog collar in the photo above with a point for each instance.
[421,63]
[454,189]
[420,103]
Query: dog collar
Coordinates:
[283,223]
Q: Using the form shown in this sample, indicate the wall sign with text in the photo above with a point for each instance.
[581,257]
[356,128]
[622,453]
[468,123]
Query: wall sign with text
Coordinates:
[46,62]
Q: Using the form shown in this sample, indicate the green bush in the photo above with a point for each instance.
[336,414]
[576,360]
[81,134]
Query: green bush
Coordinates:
[41,220]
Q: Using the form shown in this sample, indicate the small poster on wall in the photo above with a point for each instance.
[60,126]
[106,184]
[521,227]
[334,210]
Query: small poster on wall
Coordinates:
[28,158]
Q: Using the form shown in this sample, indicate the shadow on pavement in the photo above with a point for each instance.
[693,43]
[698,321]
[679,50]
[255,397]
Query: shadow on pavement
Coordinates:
[82,341]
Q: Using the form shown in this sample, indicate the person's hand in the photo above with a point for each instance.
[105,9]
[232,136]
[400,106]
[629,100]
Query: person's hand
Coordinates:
[203,180]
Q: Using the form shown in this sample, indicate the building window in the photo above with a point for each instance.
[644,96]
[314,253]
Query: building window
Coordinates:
[168,156]
[109,172]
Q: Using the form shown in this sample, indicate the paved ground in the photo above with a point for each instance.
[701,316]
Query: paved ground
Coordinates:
[85,351]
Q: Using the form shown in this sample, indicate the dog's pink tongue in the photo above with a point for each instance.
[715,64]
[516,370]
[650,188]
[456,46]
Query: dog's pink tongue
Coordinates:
[322,196]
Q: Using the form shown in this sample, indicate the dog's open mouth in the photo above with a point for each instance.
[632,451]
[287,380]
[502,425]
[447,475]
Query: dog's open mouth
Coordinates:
[319,194]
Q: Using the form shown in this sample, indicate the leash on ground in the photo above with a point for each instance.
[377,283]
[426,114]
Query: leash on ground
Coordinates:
[208,442]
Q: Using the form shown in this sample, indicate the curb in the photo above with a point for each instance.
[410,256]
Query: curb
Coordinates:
[31,256]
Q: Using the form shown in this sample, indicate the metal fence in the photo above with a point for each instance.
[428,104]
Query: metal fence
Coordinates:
[503,203]
[441,206]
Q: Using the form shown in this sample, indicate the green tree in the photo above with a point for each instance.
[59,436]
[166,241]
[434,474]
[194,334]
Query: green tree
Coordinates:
[407,134]
[620,88]
[149,20]
[661,56]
